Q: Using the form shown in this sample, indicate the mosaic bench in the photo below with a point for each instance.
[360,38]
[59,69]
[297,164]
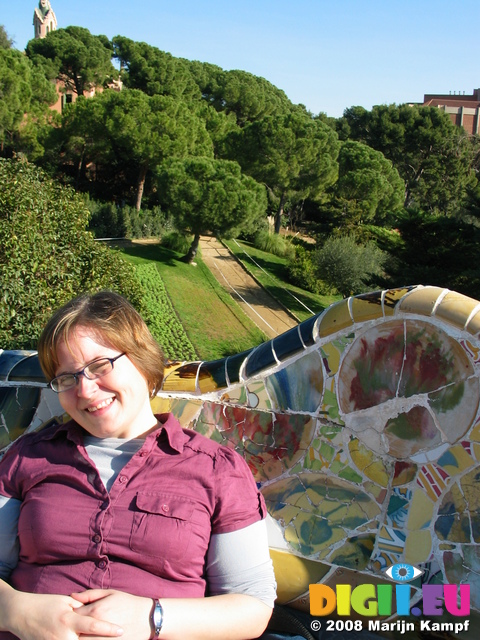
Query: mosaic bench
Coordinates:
[361,427]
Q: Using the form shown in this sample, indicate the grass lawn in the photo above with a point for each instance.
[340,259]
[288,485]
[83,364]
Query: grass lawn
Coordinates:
[214,323]
[270,271]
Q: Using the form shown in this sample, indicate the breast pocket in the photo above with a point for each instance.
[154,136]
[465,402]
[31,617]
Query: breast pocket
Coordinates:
[161,525]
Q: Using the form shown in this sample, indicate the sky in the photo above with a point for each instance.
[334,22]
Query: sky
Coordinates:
[328,55]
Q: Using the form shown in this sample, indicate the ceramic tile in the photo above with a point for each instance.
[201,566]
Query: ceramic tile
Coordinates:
[212,376]
[367,307]
[421,301]
[288,344]
[418,547]
[181,377]
[334,319]
[455,309]
[368,463]
[420,512]
[298,387]
[259,359]
[233,364]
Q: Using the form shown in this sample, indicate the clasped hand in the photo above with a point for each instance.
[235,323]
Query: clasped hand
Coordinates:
[91,615]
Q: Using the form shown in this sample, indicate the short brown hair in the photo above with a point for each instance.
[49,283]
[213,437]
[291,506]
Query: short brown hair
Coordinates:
[115,322]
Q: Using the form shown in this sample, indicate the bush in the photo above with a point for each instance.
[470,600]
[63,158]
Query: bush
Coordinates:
[273,243]
[176,241]
[302,270]
[109,220]
[106,219]
[47,256]
[349,267]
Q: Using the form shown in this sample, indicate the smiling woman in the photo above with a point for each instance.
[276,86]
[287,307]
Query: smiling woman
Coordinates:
[158,509]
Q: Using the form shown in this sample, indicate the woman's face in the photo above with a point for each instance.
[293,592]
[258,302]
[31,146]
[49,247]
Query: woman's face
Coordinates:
[115,405]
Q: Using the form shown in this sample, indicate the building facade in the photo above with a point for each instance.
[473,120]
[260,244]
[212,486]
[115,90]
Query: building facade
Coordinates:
[464,110]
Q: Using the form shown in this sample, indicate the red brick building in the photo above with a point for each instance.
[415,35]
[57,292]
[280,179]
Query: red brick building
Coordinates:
[464,110]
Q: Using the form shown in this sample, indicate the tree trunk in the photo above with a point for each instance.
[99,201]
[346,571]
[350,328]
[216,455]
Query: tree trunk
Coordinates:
[140,185]
[279,214]
[192,252]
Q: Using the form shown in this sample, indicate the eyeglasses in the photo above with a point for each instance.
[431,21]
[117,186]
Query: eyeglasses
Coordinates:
[93,370]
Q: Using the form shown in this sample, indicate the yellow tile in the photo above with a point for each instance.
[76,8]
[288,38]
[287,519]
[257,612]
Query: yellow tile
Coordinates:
[181,377]
[363,310]
[420,511]
[455,309]
[458,460]
[184,409]
[473,326]
[294,574]
[421,300]
[369,463]
[476,451]
[335,318]
[391,298]
[332,354]
[418,546]
[286,514]
[475,433]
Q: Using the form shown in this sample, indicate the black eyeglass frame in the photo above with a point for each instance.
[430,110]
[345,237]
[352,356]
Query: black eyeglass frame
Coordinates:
[83,372]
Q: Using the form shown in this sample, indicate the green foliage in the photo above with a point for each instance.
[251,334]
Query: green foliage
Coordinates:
[46,254]
[15,90]
[109,220]
[273,243]
[302,270]
[178,242]
[106,219]
[127,135]
[211,195]
[5,41]
[153,71]
[437,250]
[368,188]
[293,155]
[349,267]
[74,56]
[160,316]
[433,156]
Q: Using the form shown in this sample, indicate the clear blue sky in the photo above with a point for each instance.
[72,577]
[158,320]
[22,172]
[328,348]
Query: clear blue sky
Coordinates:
[326,54]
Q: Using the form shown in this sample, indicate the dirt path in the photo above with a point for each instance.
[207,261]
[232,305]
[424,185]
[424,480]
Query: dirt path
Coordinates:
[264,310]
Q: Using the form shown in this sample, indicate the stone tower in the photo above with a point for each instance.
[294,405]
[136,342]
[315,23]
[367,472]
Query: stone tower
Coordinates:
[44,19]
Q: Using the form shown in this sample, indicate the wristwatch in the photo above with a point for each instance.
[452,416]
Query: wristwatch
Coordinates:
[156,619]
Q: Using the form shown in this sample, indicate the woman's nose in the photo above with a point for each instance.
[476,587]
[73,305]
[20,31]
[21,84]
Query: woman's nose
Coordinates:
[85,386]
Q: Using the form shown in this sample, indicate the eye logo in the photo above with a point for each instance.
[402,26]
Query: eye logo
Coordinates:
[403,572]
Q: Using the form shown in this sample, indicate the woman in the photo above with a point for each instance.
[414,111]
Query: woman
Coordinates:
[127,524]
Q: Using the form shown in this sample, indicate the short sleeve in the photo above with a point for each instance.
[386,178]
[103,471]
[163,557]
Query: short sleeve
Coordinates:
[238,503]
[8,472]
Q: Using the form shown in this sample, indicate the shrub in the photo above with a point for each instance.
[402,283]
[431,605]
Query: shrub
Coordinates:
[347,266]
[109,220]
[106,219]
[302,270]
[273,243]
[176,241]
[47,256]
